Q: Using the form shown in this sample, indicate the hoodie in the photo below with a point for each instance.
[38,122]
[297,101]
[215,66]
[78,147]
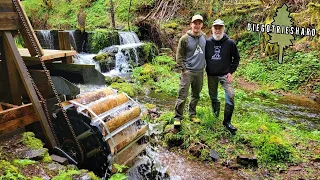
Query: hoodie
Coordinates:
[191,52]
[222,56]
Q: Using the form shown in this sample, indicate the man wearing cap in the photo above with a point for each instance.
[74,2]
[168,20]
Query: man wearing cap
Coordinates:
[190,59]
[222,59]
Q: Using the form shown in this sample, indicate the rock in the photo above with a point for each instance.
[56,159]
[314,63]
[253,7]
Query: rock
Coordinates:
[214,155]
[59,159]
[36,154]
[247,160]
[56,167]
[173,140]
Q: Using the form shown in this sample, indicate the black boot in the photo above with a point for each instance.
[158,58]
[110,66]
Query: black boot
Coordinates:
[216,108]
[227,118]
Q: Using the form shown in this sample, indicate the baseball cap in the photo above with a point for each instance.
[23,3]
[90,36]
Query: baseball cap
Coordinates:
[218,22]
[197,17]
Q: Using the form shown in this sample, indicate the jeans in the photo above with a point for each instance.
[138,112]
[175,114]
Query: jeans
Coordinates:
[213,89]
[195,80]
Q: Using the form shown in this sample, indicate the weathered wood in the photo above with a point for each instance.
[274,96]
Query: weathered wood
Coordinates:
[65,44]
[30,40]
[18,123]
[93,96]
[123,118]
[103,106]
[15,112]
[13,77]
[28,85]
[1,109]
[7,105]
[9,21]
[42,83]
[128,139]
[6,6]
[49,54]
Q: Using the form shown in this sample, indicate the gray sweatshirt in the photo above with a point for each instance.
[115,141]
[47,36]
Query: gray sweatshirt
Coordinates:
[191,52]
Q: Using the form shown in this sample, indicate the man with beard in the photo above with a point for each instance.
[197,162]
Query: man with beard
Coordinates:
[191,61]
[222,59]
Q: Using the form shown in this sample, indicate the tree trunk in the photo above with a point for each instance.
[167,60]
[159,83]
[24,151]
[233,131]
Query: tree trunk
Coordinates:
[112,14]
[129,15]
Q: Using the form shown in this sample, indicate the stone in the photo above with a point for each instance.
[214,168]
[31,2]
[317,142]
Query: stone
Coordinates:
[35,154]
[214,155]
[59,159]
[195,150]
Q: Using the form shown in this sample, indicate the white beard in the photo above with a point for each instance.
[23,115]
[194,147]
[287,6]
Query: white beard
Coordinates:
[217,38]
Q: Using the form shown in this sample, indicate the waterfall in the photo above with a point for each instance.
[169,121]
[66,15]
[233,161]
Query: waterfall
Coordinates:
[72,39]
[47,39]
[128,38]
[128,41]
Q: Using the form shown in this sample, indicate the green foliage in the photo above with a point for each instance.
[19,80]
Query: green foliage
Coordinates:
[103,38]
[29,139]
[9,172]
[67,175]
[149,51]
[122,7]
[130,89]
[119,175]
[23,162]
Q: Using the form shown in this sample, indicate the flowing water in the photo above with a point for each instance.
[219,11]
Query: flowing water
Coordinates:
[47,38]
[72,39]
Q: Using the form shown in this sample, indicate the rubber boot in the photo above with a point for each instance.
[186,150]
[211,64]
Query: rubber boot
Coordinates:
[227,118]
[216,108]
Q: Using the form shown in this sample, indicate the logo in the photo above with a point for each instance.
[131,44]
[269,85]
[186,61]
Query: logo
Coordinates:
[198,50]
[216,55]
[281,30]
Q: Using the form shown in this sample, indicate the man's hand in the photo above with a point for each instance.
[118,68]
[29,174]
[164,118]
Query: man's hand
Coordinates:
[229,77]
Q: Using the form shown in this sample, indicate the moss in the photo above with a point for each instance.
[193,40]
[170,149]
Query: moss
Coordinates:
[128,88]
[149,106]
[66,175]
[36,178]
[23,162]
[93,176]
[47,158]
[8,171]
[172,25]
[103,38]
[100,57]
[29,139]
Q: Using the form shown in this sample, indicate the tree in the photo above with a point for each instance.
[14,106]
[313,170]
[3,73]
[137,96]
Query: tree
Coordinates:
[282,18]
[112,14]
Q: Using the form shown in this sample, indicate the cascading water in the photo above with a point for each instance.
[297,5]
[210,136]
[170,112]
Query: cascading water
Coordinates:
[47,39]
[128,41]
[83,58]
[72,39]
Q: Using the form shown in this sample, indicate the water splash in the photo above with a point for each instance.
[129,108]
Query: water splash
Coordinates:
[83,58]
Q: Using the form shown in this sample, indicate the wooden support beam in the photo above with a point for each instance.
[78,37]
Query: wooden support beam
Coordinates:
[65,44]
[29,37]
[9,21]
[13,77]
[6,6]
[27,81]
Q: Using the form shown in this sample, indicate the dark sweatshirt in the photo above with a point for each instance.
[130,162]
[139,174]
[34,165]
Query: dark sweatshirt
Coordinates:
[222,56]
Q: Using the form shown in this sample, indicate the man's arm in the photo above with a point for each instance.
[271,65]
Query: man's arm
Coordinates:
[181,53]
[235,58]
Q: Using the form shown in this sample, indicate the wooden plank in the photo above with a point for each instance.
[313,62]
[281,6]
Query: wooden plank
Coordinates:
[17,123]
[13,77]
[16,112]
[9,21]
[6,6]
[13,50]
[29,37]
[65,44]
[8,105]
[1,109]
[42,83]
[49,54]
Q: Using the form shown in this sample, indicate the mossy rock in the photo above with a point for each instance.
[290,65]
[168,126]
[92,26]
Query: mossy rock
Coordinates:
[102,38]
[128,88]
[173,140]
[147,52]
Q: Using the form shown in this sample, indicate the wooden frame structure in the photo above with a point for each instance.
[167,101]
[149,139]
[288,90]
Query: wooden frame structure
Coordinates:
[13,71]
